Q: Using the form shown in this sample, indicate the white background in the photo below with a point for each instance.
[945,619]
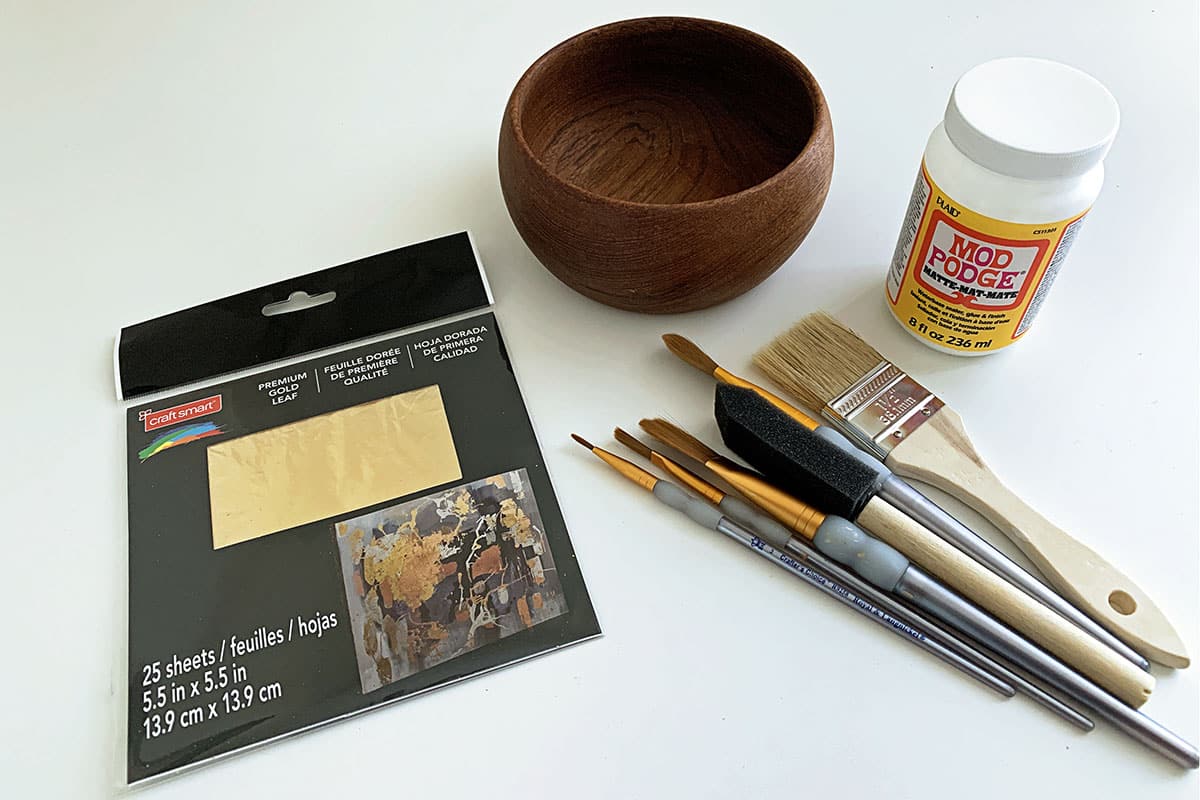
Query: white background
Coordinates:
[157,155]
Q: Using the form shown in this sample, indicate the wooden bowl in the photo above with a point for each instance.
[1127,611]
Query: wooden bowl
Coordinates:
[665,164]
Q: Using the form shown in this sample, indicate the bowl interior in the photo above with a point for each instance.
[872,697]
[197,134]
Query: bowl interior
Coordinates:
[666,111]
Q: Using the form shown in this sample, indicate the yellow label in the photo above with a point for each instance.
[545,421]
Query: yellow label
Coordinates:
[969,283]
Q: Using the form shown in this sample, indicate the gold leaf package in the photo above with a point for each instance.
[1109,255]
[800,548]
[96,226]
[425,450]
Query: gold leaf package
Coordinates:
[320,535]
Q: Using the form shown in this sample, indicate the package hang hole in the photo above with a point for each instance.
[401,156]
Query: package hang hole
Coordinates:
[297,301]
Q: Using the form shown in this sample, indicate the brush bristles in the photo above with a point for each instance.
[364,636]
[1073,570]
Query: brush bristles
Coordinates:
[636,445]
[582,441]
[688,352]
[681,440]
[817,359]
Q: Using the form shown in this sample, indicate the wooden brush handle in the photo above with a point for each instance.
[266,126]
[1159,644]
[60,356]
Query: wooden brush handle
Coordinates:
[1007,603]
[940,453]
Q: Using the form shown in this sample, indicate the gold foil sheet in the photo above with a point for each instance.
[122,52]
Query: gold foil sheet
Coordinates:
[324,466]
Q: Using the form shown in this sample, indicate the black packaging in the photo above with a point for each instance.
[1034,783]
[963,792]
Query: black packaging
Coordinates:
[334,531]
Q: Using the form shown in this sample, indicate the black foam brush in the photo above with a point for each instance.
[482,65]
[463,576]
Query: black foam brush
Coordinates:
[836,478]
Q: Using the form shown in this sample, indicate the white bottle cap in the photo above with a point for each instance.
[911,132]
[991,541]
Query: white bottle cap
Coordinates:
[1031,118]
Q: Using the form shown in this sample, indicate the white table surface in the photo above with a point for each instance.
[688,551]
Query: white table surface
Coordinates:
[157,155]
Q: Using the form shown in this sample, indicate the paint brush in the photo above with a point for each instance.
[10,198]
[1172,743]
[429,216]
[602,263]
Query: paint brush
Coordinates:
[851,548]
[912,502]
[768,530]
[853,501]
[887,412]
[713,518]
[815,470]
[690,353]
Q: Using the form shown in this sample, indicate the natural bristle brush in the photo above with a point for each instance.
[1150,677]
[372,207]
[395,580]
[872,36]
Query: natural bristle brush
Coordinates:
[830,368]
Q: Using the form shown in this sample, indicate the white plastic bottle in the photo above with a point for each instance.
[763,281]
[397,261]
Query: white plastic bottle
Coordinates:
[1005,182]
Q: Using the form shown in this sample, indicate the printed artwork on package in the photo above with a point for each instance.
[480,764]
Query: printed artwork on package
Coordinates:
[433,578]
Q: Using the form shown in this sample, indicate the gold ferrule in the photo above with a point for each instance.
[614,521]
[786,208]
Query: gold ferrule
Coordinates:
[795,514]
[688,478]
[724,376]
[630,470]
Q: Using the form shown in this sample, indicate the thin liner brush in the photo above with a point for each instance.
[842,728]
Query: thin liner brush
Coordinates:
[671,495]
[891,571]
[912,502]
[888,413]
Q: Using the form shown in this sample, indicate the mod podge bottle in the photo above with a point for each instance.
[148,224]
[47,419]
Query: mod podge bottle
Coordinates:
[1005,183]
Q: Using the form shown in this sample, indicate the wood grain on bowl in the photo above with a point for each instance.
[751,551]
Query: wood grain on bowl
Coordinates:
[665,164]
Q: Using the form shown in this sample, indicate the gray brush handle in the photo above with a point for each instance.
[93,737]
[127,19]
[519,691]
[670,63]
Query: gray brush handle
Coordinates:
[671,495]
[843,541]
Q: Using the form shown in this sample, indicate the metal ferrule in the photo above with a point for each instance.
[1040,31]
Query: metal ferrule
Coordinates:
[724,376]
[688,478]
[630,470]
[882,409]
[799,516]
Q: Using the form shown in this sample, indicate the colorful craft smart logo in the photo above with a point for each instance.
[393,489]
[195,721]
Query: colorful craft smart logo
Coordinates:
[182,434]
[178,436]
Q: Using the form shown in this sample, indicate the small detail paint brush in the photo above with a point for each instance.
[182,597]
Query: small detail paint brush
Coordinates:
[712,518]
[875,403]
[884,566]
[806,466]
[901,494]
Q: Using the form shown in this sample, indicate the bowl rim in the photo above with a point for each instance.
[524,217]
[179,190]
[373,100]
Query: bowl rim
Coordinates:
[816,96]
